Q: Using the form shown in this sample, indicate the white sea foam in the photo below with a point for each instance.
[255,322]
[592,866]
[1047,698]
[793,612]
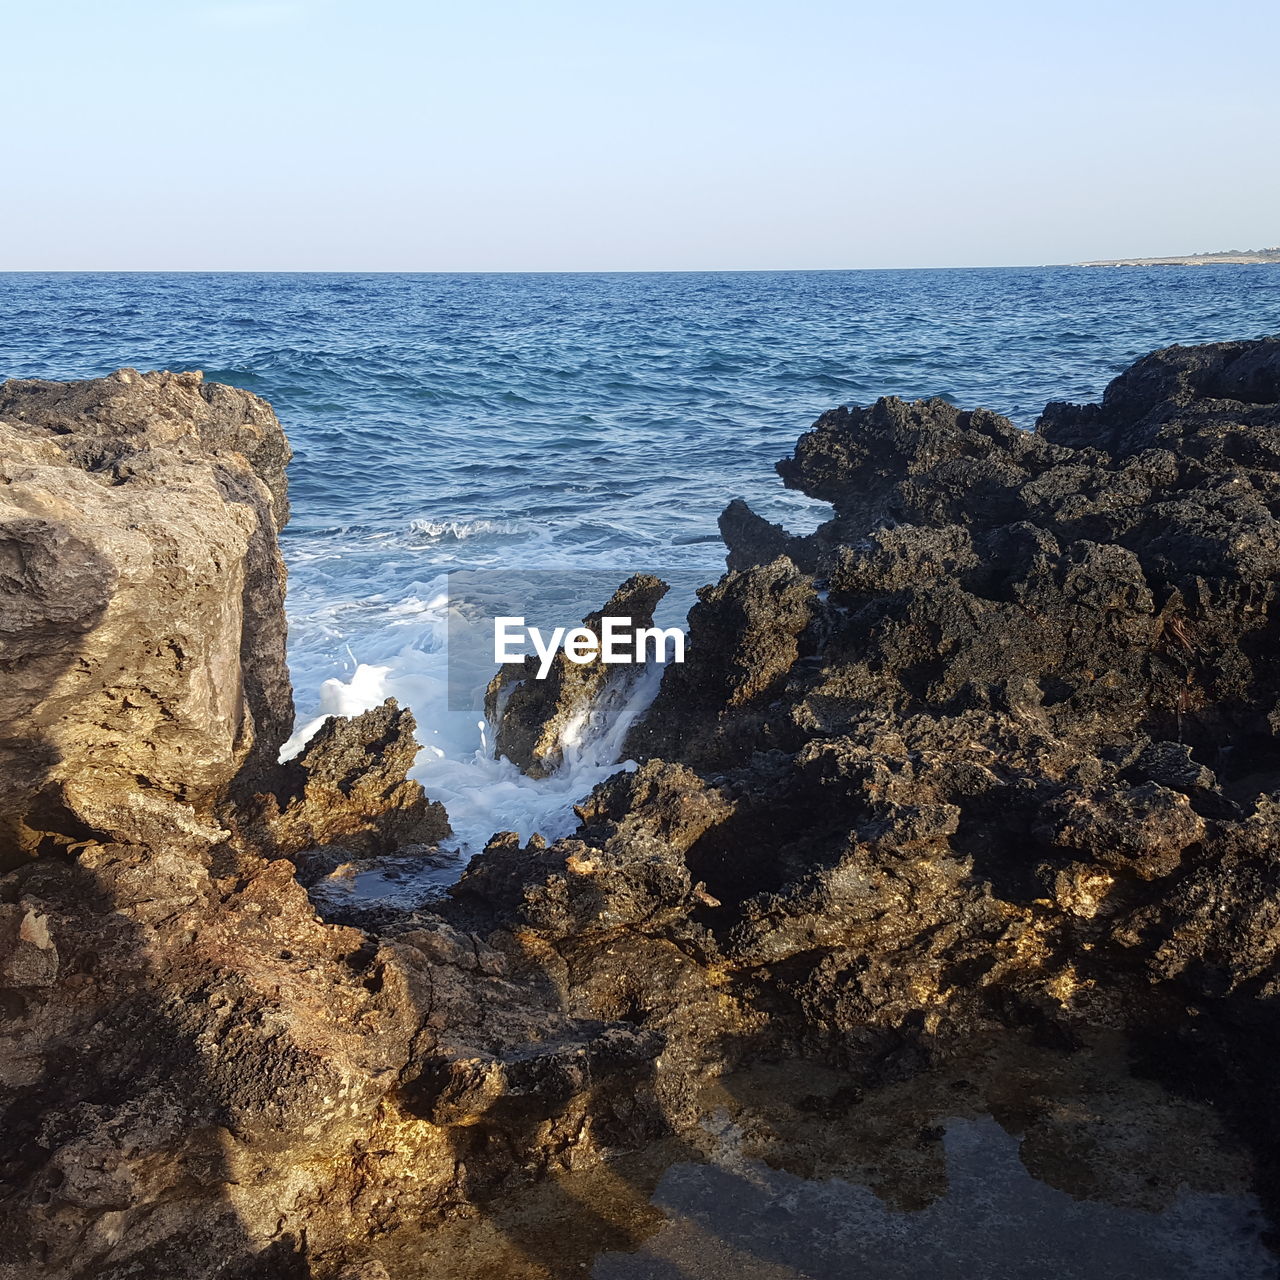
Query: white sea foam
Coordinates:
[457,530]
[456,765]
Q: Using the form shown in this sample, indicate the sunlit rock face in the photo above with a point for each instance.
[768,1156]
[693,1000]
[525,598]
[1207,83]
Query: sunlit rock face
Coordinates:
[992,754]
[141,597]
[186,1048]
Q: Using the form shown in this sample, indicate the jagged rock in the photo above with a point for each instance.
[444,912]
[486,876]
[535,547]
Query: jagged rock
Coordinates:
[1003,772]
[1142,829]
[349,787]
[1102,593]
[1230,389]
[926,463]
[614,918]
[535,716]
[752,540]
[744,638]
[634,873]
[1172,765]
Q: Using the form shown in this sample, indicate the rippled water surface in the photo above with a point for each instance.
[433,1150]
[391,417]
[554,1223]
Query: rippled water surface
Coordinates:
[575,421]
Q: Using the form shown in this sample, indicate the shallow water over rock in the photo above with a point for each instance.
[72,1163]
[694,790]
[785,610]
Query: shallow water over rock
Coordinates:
[1014,1161]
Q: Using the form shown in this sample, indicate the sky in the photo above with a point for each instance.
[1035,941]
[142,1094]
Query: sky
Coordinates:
[565,135]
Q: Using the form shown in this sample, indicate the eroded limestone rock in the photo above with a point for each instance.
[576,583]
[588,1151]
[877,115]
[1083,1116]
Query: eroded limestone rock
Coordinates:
[348,787]
[141,596]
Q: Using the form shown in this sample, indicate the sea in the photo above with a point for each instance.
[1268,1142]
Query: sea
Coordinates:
[591,424]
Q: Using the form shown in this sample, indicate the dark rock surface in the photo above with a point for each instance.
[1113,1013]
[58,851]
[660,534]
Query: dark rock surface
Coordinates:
[746,634]
[991,753]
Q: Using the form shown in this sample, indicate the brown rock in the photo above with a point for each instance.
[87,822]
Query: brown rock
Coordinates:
[141,590]
[348,787]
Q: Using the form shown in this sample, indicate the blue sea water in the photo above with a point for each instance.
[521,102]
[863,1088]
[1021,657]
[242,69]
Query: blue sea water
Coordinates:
[576,422]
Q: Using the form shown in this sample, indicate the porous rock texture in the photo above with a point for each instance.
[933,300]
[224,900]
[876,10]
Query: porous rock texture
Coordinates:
[994,751]
[141,598]
[347,791]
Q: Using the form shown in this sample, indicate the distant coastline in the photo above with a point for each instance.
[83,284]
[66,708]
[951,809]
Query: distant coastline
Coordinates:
[1227,256]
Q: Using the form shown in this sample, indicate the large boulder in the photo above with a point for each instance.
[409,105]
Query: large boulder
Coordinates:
[141,598]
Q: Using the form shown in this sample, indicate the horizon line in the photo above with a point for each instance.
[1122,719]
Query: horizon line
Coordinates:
[495,271]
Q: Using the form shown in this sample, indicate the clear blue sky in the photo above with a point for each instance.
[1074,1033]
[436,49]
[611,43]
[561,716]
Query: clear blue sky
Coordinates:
[575,135]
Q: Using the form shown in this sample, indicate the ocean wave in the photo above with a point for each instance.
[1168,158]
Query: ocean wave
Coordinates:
[459,530]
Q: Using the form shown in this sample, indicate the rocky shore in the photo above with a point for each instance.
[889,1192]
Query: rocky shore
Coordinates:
[995,752]
[1231,257]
